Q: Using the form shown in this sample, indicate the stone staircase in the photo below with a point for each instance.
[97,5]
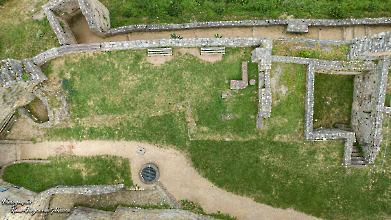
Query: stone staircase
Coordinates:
[370,46]
[358,159]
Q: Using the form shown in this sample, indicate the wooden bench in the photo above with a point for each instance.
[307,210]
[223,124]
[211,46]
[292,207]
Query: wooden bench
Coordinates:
[212,50]
[160,52]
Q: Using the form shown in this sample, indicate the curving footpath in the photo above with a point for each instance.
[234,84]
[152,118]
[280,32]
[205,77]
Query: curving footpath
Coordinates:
[176,173]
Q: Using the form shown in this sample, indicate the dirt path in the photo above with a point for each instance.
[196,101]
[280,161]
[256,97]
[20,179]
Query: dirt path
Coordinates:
[82,33]
[177,174]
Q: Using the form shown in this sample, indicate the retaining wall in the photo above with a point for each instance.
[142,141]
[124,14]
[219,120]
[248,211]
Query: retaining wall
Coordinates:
[251,23]
[48,55]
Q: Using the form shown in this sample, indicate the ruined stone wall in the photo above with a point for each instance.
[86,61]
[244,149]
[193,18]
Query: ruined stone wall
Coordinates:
[18,80]
[313,66]
[97,16]
[293,25]
[65,8]
[48,55]
[57,20]
[368,108]
[371,47]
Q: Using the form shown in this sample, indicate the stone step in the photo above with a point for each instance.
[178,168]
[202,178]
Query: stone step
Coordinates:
[358,165]
[356,154]
[358,161]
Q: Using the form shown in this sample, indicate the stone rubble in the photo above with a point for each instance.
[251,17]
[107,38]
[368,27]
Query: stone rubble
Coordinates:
[243,83]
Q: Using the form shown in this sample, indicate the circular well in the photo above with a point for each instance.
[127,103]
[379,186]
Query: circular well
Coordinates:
[149,173]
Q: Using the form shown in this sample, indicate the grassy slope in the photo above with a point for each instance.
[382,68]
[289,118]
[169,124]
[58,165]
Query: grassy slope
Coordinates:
[20,36]
[274,166]
[168,11]
[70,171]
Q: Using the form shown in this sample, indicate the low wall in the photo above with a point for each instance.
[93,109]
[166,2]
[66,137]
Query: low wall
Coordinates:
[250,23]
[48,55]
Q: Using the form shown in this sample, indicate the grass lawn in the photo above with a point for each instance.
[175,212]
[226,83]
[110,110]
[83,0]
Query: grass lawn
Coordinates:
[119,95]
[21,36]
[333,98]
[105,106]
[310,50]
[69,171]
[178,11]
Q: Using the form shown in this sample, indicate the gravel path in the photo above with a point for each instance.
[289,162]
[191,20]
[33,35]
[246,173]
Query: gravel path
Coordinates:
[176,173]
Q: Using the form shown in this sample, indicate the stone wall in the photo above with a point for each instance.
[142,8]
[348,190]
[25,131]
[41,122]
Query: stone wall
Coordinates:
[64,8]
[371,47]
[262,56]
[58,13]
[18,81]
[59,25]
[358,68]
[48,55]
[97,16]
[293,25]
[368,108]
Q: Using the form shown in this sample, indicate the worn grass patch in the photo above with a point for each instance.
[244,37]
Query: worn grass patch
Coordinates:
[69,171]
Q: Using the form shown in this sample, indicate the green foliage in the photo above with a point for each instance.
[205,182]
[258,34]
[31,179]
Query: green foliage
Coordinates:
[192,206]
[179,11]
[2,2]
[196,208]
[70,171]
[388,100]
[310,50]
[25,76]
[175,36]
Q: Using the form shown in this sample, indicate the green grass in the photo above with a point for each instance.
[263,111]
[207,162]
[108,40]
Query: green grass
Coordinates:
[165,94]
[176,11]
[196,208]
[388,100]
[69,171]
[119,95]
[310,50]
[333,99]
[20,36]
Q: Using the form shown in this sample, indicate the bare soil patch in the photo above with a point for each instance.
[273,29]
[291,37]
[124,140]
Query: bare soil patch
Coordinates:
[196,52]
[159,60]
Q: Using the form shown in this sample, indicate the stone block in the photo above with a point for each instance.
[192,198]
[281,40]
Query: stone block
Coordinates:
[297,26]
